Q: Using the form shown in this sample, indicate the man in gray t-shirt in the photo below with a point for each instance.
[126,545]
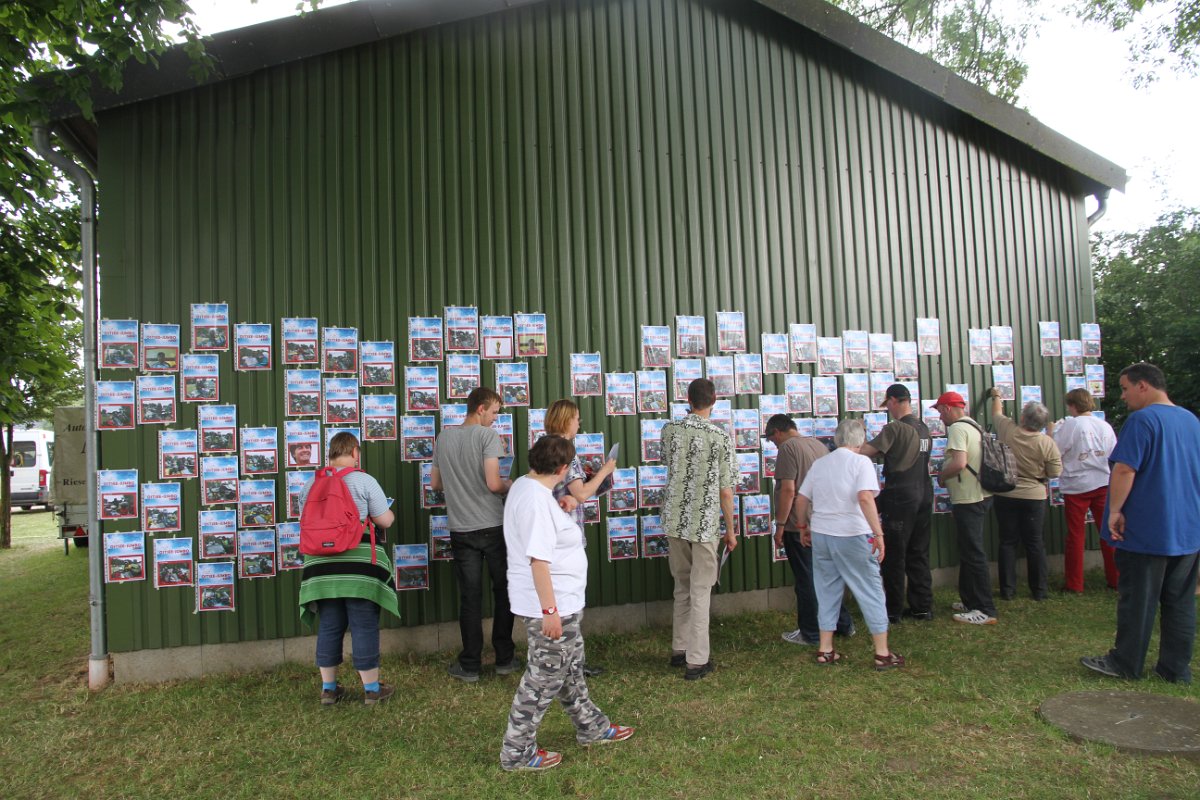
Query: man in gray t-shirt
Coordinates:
[466,467]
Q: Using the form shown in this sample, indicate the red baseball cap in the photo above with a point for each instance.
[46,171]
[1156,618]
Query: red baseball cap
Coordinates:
[951,399]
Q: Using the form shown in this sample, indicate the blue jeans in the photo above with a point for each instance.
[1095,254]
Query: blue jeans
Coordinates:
[841,561]
[974,579]
[362,618]
[471,551]
[1146,584]
[801,560]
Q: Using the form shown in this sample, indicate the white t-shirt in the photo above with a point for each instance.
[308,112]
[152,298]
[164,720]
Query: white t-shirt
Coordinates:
[833,484]
[1085,442]
[535,527]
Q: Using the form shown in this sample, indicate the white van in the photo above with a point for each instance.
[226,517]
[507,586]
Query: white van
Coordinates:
[31,458]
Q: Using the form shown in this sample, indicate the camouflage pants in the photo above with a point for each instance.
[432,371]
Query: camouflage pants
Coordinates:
[555,670]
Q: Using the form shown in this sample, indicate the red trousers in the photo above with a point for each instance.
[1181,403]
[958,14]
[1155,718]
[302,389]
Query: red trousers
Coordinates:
[1076,507]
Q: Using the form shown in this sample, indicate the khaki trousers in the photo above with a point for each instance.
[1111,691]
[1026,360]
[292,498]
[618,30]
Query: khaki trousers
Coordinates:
[694,568]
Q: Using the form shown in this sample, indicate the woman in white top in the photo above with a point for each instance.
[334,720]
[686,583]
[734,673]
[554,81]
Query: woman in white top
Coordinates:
[1085,442]
[547,579]
[847,541]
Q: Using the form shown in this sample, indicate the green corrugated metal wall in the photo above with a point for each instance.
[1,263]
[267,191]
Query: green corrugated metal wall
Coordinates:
[612,163]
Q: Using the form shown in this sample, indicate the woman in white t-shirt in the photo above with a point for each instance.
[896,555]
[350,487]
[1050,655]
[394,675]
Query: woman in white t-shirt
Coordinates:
[1085,441]
[547,579]
[847,541]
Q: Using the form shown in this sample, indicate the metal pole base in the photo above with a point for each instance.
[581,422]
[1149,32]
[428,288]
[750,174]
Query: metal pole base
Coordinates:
[98,674]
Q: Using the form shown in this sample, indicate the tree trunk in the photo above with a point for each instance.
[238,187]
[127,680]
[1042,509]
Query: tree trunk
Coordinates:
[6,487]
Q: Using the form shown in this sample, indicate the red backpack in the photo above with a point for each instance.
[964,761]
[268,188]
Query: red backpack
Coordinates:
[329,523]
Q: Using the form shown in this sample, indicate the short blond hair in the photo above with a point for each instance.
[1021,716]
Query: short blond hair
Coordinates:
[559,416]
[342,444]
[1081,400]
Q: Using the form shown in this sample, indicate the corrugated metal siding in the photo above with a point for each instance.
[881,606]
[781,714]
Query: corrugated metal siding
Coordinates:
[611,163]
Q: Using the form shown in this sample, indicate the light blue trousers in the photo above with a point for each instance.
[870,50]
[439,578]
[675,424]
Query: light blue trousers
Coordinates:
[841,561]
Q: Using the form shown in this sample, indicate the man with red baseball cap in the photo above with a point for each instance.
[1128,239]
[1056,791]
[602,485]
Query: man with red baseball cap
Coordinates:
[969,507]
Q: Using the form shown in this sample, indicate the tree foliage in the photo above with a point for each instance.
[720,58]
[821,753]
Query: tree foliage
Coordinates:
[1163,33]
[1146,289]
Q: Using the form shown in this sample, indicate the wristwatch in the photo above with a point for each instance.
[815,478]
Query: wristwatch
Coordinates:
[548,611]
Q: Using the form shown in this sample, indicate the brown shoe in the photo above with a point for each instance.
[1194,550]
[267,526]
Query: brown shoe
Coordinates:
[330,697]
[386,690]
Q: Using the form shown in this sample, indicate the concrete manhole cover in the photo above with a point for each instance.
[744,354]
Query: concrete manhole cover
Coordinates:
[1137,722]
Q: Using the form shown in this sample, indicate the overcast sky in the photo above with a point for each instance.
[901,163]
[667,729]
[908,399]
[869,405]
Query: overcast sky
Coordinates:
[1079,84]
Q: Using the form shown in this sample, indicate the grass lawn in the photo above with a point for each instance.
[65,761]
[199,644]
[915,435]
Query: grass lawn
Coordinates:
[960,721]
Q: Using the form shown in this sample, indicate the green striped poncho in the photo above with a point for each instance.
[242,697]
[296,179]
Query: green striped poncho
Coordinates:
[348,574]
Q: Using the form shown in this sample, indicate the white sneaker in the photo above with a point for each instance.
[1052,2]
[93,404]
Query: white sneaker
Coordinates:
[958,606]
[976,617]
[796,637]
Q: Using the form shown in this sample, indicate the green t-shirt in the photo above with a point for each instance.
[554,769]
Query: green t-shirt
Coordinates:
[964,487]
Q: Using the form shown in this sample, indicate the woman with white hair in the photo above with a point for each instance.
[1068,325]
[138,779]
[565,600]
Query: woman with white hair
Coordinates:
[1022,512]
[838,499]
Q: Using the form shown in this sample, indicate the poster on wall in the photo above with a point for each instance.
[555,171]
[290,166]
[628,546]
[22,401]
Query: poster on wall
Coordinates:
[1094,374]
[768,406]
[504,426]
[1002,343]
[825,396]
[656,346]
[172,562]
[748,373]
[1075,382]
[256,553]
[430,497]
[880,381]
[210,326]
[622,496]
[201,377]
[904,355]
[260,451]
[536,424]
[439,538]
[178,453]
[302,390]
[253,343]
[341,401]
[379,412]
[963,389]
[124,557]
[1049,338]
[1072,356]
[857,387]
[825,428]
[585,374]
[737,514]
[798,390]
[745,429]
[756,515]
[654,539]
[589,449]
[162,507]
[156,399]
[455,414]
[652,482]
[114,405]
[874,423]
[218,480]
[651,435]
[775,354]
[300,340]
[932,419]
[770,453]
[651,391]
[720,372]
[302,442]
[731,332]
[462,374]
[531,333]
[378,361]
[929,336]
[829,355]
[722,415]
[1005,381]
[512,382]
[856,349]
[979,342]
[218,534]
[422,388]
[462,329]
[412,566]
[287,539]
[339,350]
[881,352]
[118,344]
[1030,394]
[160,347]
[690,339]
[684,371]
[802,336]
[214,586]
[620,394]
[497,337]
[256,503]
[416,438]
[1089,333]
[424,338]
[622,538]
[294,487]
[748,480]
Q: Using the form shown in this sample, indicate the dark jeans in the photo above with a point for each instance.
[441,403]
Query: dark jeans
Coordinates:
[362,618]
[800,558]
[974,580]
[1021,522]
[470,551]
[1146,584]
[906,521]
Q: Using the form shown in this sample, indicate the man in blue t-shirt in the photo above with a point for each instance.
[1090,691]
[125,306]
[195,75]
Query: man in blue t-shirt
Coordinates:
[1153,522]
